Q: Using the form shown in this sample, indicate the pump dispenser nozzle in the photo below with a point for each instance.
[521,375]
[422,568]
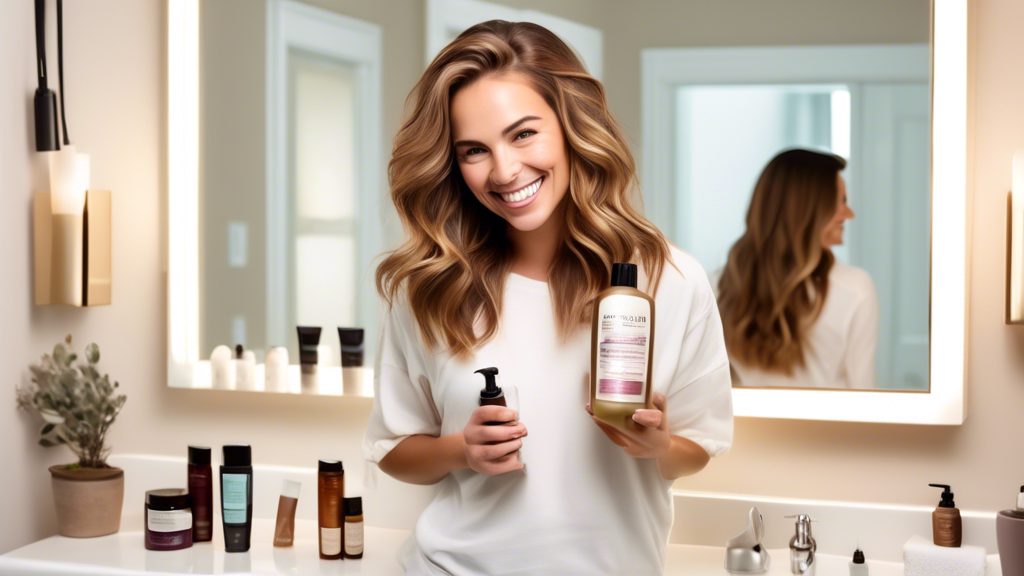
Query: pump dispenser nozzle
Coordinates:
[491,389]
[947,496]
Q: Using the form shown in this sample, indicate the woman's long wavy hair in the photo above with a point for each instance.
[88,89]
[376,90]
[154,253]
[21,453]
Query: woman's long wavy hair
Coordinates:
[776,279]
[456,258]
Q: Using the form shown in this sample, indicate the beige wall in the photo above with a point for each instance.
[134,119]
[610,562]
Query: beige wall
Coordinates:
[116,101]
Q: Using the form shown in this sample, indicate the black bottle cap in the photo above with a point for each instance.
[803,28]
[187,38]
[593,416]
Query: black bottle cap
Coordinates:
[947,496]
[354,506]
[491,388]
[350,337]
[168,499]
[624,274]
[331,466]
[238,351]
[199,455]
[858,557]
[237,455]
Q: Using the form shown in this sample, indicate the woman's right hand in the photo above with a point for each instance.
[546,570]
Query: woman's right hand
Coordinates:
[491,449]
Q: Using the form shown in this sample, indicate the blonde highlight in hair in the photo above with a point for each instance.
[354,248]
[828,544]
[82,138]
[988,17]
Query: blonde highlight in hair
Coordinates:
[456,257]
[776,278]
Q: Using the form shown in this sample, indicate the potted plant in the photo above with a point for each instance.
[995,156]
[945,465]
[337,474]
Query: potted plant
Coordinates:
[78,406]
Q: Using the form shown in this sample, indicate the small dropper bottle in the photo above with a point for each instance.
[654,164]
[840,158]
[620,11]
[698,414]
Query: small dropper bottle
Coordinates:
[858,567]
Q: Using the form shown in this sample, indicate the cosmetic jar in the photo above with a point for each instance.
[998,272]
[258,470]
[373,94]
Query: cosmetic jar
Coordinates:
[168,519]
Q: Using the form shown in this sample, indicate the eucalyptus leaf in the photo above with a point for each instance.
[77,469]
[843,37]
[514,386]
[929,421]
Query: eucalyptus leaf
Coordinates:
[51,417]
[47,428]
[46,443]
[92,353]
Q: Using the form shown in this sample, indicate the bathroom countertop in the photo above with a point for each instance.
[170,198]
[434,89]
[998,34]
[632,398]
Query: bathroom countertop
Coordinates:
[123,553]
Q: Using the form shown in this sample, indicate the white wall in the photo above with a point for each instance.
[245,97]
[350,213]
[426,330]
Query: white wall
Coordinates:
[115,93]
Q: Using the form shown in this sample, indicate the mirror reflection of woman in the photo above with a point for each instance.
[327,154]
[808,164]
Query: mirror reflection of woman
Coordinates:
[516,192]
[793,315]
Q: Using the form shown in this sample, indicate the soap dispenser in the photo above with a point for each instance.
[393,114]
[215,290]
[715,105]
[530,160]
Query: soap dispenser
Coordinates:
[947,529]
[802,548]
[1010,535]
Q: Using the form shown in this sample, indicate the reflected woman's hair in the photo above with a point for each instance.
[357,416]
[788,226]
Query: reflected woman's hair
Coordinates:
[776,278]
[455,260]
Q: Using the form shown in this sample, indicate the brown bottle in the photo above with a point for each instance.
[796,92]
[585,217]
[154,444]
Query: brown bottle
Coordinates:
[354,528]
[947,529]
[200,490]
[620,350]
[330,498]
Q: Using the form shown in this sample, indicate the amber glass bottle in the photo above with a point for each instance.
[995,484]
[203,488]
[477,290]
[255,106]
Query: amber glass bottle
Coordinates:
[330,499]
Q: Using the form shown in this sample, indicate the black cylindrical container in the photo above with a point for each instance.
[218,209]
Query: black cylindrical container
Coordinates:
[236,496]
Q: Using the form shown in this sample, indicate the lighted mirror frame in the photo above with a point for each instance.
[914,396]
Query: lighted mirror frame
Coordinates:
[945,403]
[289,24]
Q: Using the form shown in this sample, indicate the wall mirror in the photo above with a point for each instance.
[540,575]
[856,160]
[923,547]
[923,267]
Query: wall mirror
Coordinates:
[277,173]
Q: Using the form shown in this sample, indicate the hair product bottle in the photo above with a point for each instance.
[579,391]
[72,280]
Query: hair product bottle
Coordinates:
[354,528]
[947,529]
[351,360]
[330,499]
[620,350]
[200,490]
[236,496]
[284,532]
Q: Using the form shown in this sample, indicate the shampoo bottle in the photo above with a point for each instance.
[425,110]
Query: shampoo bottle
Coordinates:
[620,351]
[947,529]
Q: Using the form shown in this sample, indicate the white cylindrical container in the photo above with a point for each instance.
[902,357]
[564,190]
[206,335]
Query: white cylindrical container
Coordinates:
[276,370]
[222,371]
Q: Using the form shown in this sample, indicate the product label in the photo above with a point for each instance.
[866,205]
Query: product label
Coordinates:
[330,541]
[623,349]
[353,538]
[169,520]
[235,497]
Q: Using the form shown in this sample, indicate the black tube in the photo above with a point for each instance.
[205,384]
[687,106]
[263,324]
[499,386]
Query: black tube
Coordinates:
[236,497]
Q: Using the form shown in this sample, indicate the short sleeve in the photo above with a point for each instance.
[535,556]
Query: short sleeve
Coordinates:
[403,404]
[862,341]
[699,397]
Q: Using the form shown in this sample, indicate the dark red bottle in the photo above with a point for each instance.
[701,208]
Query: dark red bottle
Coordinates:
[200,489]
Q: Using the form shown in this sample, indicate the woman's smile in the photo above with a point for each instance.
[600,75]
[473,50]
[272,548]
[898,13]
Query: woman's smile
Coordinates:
[521,197]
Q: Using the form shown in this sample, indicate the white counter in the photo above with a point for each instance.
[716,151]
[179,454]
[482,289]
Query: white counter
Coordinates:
[124,553]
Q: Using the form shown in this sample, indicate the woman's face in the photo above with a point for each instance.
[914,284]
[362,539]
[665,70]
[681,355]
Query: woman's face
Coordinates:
[832,235]
[510,149]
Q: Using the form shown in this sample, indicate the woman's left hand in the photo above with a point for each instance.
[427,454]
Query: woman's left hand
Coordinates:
[652,440]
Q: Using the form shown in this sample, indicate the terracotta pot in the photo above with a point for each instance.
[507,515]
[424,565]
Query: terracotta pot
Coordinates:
[88,500]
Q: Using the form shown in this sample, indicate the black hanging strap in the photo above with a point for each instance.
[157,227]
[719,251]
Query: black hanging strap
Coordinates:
[41,42]
[60,68]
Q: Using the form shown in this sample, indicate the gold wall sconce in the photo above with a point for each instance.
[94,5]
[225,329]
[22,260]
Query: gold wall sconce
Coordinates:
[71,236]
[1015,244]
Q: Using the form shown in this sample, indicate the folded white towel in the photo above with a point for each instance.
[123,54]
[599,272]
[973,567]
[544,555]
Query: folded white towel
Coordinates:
[922,558]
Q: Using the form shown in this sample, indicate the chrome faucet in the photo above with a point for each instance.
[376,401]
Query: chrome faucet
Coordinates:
[744,553]
[802,547]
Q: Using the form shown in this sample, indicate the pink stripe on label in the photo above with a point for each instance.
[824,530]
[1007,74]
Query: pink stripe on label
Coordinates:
[619,386]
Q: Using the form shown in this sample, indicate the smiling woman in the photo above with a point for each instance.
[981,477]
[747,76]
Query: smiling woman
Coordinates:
[516,192]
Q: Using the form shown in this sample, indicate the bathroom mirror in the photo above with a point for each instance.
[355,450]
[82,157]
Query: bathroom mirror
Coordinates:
[281,113]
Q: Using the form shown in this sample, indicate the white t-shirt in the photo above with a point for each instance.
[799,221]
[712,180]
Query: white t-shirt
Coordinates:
[840,345]
[581,505]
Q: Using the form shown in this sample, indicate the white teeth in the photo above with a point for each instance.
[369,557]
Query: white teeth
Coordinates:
[524,193]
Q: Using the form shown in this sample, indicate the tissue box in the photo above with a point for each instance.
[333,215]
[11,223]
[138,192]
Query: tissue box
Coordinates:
[922,558]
